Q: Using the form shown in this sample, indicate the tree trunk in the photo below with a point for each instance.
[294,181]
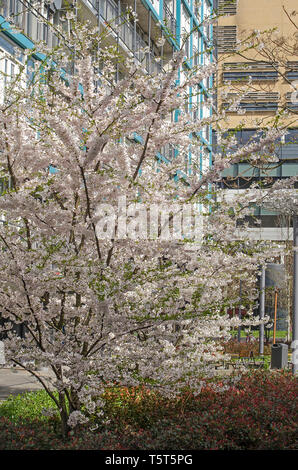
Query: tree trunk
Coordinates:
[63,415]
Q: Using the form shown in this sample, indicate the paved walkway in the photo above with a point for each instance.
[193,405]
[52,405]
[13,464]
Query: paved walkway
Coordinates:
[15,381]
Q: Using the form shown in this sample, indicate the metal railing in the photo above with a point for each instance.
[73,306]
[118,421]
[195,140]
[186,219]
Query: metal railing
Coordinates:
[169,19]
[37,27]
[111,14]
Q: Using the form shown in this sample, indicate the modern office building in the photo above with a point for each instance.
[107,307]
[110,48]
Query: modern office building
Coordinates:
[169,19]
[265,77]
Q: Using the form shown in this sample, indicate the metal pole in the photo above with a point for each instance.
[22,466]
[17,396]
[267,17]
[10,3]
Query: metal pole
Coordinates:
[135,29]
[161,51]
[295,298]
[262,309]
[118,21]
[275,314]
[239,311]
[149,41]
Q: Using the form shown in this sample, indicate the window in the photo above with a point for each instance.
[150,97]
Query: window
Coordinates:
[11,58]
[206,133]
[34,21]
[8,69]
[289,169]
[289,149]
[206,25]
[168,151]
[195,114]
[186,105]
[10,47]
[195,56]
[171,5]
[15,9]
[207,56]
[205,106]
[5,184]
[246,136]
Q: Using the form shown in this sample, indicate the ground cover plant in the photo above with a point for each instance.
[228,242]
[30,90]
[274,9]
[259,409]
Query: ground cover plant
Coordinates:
[256,411]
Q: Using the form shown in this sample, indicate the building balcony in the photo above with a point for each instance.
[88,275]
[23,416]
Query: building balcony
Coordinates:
[131,36]
[169,20]
[40,25]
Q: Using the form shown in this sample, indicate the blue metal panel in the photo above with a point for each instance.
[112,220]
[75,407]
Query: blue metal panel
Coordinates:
[188,7]
[18,38]
[53,170]
[137,138]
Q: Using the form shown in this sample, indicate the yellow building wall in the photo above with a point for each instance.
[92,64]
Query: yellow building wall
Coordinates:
[262,15]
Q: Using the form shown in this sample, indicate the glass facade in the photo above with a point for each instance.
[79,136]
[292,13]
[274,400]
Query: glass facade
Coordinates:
[242,175]
[285,150]
[264,81]
[24,23]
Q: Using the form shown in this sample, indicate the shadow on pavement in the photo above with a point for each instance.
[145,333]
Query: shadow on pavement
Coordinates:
[17,381]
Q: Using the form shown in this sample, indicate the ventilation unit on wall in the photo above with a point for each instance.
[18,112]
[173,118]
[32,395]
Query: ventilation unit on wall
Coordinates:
[225,38]
[292,70]
[227,7]
[243,71]
[254,102]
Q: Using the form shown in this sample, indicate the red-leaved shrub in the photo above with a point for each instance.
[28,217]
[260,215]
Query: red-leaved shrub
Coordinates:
[257,412]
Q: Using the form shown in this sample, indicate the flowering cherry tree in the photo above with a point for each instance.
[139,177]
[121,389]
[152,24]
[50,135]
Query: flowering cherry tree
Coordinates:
[106,293]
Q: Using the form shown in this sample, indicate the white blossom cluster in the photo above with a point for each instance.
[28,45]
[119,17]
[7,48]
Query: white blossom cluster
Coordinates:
[99,312]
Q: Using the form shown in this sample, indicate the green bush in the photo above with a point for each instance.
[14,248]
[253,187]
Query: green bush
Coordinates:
[26,407]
